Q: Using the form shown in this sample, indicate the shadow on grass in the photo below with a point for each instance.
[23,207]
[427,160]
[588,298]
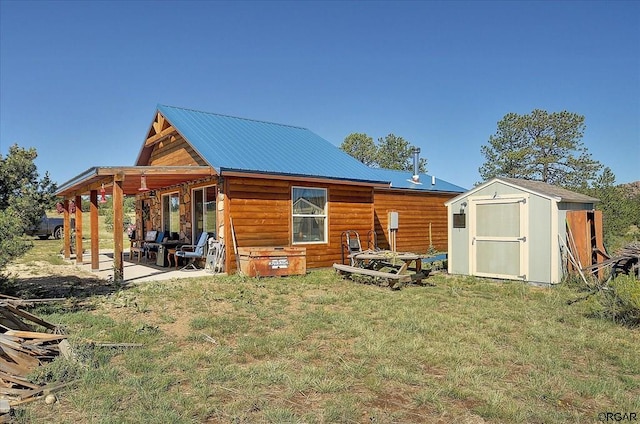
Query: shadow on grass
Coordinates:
[73,287]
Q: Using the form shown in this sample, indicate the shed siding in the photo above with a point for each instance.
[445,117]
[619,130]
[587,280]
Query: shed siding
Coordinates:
[540,242]
[415,212]
[460,241]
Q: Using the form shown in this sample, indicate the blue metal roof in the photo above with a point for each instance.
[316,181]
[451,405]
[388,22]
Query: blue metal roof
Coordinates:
[403,180]
[237,144]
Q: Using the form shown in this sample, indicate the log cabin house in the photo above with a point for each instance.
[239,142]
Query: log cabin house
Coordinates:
[266,184]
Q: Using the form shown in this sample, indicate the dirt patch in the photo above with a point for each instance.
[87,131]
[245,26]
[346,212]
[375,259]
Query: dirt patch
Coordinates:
[39,280]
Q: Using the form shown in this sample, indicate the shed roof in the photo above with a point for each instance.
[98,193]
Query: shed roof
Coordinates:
[229,143]
[403,180]
[550,190]
[540,188]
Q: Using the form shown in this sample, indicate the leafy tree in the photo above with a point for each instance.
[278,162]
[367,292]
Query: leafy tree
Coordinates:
[540,146]
[391,152]
[23,199]
[396,153]
[361,147]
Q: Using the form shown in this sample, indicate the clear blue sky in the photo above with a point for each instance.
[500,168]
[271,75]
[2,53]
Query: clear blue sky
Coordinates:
[79,81]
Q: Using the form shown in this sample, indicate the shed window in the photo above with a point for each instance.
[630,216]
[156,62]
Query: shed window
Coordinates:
[459,220]
[309,215]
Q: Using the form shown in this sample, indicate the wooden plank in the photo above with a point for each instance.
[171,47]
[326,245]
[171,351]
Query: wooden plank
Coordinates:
[386,256]
[17,380]
[23,360]
[35,335]
[30,317]
[579,239]
[11,367]
[11,320]
[355,270]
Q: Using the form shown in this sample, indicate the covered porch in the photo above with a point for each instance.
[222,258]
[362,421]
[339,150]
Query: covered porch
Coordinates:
[117,182]
[135,271]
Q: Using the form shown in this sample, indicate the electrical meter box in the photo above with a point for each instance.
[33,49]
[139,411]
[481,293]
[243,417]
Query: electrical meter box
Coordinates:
[393,220]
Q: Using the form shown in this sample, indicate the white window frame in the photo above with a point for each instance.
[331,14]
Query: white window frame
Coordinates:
[164,196]
[193,211]
[323,215]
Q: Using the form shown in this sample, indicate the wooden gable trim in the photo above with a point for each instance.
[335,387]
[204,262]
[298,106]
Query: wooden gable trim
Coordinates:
[160,129]
[156,138]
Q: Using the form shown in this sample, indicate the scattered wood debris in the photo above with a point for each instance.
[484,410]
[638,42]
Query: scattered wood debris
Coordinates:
[22,350]
[625,261]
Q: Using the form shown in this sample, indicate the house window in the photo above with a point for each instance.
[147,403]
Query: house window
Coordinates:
[171,212]
[204,210]
[309,215]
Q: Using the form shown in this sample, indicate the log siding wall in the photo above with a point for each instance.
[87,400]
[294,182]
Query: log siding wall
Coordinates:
[415,212]
[174,151]
[262,216]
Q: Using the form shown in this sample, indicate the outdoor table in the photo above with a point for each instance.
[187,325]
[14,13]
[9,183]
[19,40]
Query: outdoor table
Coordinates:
[363,259]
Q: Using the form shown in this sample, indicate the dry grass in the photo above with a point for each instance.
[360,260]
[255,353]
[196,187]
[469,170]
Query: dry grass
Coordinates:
[318,349]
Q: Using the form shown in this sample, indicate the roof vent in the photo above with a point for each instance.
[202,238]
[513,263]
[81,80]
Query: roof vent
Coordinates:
[415,179]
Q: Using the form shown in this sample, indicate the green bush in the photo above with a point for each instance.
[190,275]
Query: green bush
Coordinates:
[12,244]
[620,301]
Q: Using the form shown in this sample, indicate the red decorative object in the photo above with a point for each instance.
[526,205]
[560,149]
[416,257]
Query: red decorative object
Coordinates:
[143,183]
[103,195]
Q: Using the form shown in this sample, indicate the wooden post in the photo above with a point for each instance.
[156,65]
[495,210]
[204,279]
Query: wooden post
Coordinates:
[67,230]
[118,272]
[78,241]
[95,242]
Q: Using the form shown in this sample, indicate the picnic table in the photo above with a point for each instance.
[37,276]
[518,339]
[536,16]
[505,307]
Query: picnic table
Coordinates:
[385,266]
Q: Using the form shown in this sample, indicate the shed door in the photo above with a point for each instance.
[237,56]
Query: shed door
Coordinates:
[499,238]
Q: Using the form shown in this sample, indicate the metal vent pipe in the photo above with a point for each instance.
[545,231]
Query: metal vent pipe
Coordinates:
[416,162]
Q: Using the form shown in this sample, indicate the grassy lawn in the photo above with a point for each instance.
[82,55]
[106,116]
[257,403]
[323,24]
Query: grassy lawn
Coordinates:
[319,349]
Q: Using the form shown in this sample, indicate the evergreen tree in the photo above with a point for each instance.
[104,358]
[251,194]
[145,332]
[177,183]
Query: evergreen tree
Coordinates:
[24,197]
[540,146]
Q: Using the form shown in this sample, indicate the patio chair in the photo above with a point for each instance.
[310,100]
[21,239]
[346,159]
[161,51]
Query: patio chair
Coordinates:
[350,241]
[155,244]
[192,252]
[215,256]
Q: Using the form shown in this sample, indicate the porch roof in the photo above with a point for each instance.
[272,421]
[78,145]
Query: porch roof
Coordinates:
[157,177]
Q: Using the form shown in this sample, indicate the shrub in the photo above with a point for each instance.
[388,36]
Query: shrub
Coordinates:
[621,300]
[12,244]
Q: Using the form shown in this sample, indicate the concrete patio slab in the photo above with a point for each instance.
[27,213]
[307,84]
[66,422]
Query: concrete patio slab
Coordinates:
[143,271]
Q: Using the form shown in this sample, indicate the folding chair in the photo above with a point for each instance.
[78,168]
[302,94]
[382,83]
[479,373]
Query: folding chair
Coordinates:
[215,256]
[193,251]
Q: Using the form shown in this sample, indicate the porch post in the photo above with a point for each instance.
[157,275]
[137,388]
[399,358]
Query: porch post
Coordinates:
[118,274]
[78,214]
[67,230]
[95,242]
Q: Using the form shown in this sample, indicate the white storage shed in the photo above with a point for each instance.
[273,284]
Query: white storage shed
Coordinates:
[511,229]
